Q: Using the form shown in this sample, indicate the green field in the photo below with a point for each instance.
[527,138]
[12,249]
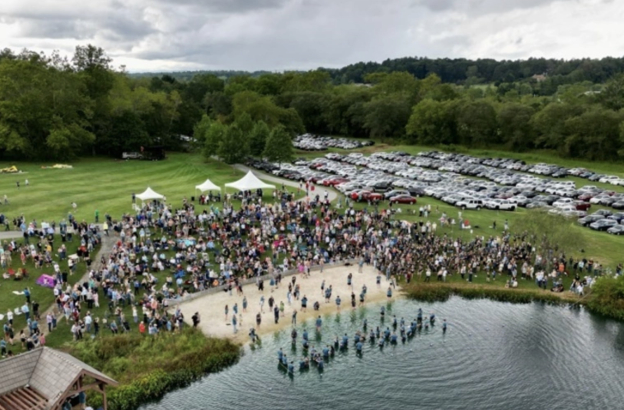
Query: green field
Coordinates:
[105,184]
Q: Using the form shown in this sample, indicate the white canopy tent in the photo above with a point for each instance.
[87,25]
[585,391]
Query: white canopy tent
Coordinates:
[249,182]
[207,186]
[149,194]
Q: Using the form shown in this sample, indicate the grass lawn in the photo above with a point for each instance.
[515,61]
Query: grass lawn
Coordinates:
[106,185]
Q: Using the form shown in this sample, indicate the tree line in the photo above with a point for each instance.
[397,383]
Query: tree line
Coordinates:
[56,108]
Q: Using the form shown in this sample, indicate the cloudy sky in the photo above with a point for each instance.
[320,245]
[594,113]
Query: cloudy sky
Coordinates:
[167,35]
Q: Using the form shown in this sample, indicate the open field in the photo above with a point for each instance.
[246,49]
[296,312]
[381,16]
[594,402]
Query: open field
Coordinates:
[105,184]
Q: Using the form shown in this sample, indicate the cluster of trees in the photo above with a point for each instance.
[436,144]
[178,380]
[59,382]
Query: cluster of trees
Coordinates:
[462,71]
[485,71]
[54,108]
[234,142]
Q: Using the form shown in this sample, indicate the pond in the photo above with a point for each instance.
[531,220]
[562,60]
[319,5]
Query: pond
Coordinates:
[493,356]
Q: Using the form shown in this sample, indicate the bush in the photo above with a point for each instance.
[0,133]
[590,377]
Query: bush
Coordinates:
[607,297]
[442,292]
[147,368]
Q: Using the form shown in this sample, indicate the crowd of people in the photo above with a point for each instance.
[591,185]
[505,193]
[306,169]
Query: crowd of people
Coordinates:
[220,244]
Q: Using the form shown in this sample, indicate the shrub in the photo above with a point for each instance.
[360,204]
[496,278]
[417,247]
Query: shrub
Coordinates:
[148,367]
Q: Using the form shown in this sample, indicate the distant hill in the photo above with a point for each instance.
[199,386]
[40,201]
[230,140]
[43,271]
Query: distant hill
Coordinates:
[458,70]
[188,75]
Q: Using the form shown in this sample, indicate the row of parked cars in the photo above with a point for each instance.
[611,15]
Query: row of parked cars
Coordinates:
[411,166]
[382,170]
[311,142]
[550,170]
[400,178]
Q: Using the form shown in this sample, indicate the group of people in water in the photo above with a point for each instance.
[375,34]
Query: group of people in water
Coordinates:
[398,331]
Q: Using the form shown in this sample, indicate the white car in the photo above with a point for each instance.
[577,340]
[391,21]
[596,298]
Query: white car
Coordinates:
[607,179]
[470,204]
[563,202]
[500,204]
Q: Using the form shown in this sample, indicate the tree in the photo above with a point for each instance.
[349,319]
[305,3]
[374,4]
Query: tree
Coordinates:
[245,124]
[126,132]
[200,130]
[432,122]
[258,138]
[477,124]
[515,126]
[213,138]
[549,124]
[612,96]
[551,235]
[279,145]
[594,134]
[233,146]
[203,84]
[310,106]
[387,116]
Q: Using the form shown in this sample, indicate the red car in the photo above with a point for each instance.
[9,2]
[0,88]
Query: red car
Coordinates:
[403,199]
[374,196]
[359,194]
[586,196]
[582,206]
[334,181]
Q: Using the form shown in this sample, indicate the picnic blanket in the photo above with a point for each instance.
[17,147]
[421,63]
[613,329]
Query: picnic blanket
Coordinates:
[187,242]
[46,281]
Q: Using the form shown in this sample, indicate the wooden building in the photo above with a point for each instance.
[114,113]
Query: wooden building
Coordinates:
[47,379]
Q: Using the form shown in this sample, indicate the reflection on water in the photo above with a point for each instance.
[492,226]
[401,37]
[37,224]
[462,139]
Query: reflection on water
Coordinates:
[494,356]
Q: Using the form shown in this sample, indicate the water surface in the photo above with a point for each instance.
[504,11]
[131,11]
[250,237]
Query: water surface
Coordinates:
[494,356]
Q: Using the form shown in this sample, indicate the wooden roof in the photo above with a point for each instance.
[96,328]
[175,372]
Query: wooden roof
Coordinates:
[24,398]
[42,373]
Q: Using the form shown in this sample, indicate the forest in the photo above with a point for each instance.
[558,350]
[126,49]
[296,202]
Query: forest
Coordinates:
[55,108]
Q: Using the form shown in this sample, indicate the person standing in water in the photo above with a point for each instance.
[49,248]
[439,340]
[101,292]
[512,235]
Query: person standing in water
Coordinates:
[444,326]
[319,323]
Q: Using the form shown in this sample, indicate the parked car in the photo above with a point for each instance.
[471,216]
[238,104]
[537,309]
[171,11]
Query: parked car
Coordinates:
[131,155]
[603,224]
[403,199]
[396,192]
[500,204]
[590,219]
[616,230]
[470,204]
[618,205]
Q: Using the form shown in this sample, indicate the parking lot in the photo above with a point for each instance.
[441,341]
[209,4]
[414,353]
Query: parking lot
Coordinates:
[465,182]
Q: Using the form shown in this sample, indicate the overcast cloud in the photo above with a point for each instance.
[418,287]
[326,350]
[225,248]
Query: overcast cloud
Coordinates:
[166,35]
